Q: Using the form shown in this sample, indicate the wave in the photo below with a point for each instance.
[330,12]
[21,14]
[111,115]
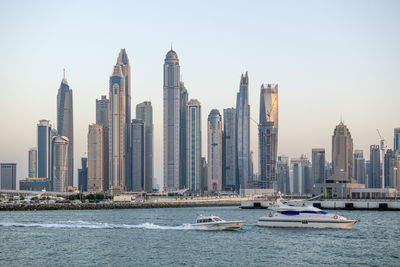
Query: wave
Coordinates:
[94,225]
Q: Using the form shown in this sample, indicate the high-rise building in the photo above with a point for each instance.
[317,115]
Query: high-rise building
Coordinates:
[296,180]
[44,138]
[137,179]
[8,176]
[397,171]
[214,128]
[171,91]
[102,107]
[306,175]
[342,155]
[65,123]
[318,165]
[83,175]
[389,170]
[95,176]
[396,146]
[359,166]
[182,136]
[374,173]
[144,111]
[119,124]
[204,175]
[283,178]
[268,134]
[32,163]
[243,132]
[193,144]
[229,160]
[60,163]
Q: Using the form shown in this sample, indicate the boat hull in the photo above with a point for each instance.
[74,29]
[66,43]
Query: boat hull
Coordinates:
[218,226]
[332,224]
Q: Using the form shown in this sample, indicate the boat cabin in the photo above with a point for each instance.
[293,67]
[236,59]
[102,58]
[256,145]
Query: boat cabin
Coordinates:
[208,219]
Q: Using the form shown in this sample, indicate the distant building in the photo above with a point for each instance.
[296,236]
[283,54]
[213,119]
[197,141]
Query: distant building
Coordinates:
[243,133]
[268,134]
[137,178]
[44,140]
[214,152]
[182,136]
[397,171]
[8,176]
[230,180]
[34,184]
[144,111]
[283,176]
[102,116]
[296,179]
[204,175]
[60,164]
[390,165]
[318,165]
[359,166]
[306,175]
[396,146]
[32,163]
[65,123]
[193,145]
[95,176]
[171,91]
[83,176]
[374,174]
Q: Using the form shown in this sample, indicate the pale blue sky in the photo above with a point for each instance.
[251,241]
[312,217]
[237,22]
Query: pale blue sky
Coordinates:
[330,58]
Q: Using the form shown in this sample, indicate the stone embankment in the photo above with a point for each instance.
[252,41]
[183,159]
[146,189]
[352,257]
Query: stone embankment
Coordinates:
[116,205]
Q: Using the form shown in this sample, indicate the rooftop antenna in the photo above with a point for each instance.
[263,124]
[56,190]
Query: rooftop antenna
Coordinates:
[64,73]
[171,45]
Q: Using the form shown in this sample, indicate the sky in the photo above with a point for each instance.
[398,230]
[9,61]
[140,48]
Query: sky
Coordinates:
[333,61]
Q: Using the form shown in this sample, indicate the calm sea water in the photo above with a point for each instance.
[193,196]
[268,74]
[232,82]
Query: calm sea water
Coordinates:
[155,237]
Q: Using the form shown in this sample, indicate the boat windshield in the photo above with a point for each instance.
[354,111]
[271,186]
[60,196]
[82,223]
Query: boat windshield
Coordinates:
[216,219]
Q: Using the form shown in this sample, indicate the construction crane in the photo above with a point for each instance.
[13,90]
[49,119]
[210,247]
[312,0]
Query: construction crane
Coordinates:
[382,145]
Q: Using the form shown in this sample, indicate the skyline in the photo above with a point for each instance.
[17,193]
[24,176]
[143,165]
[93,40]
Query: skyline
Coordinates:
[348,72]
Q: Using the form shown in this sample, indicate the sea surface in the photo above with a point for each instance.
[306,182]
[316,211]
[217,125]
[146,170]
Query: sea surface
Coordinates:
[162,237]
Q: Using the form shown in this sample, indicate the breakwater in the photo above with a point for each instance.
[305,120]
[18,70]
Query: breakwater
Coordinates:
[116,205]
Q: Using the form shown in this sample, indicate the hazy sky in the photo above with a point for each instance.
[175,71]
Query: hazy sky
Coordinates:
[330,59]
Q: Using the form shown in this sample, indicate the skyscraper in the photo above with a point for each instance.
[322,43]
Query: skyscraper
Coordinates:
[137,178]
[283,178]
[8,176]
[268,134]
[118,127]
[193,144]
[214,151]
[229,160]
[374,174]
[95,176]
[342,155]
[396,139]
[318,165]
[182,136]
[243,132]
[296,179]
[204,175]
[389,167]
[171,91]
[83,175]
[32,163]
[65,123]
[144,111]
[306,175]
[60,163]
[44,140]
[359,166]
[102,107]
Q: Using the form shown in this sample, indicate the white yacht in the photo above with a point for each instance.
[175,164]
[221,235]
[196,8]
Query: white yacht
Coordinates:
[286,215]
[215,223]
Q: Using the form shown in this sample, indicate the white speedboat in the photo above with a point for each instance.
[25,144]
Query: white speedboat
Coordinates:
[303,216]
[215,223]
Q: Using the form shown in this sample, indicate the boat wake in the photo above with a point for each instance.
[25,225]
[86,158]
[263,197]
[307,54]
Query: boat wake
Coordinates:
[94,225]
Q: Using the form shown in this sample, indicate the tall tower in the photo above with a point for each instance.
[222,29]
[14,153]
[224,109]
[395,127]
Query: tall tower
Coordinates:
[144,111]
[182,136]
[44,149]
[137,178]
[60,163]
[171,121]
[374,174]
[102,106]
[32,163]
[268,134]
[95,175]
[396,144]
[214,151]
[117,133]
[65,123]
[359,166]
[318,165]
[342,155]
[243,132]
[229,160]
[193,126]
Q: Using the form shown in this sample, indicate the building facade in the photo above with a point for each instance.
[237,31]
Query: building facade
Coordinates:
[34,184]
[83,175]
[171,140]
[230,180]
[214,128]
[342,155]
[374,173]
[102,107]
[137,181]
[95,177]
[60,164]
[283,174]
[193,145]
[8,176]
[243,132]
[32,162]
[318,165]
[183,137]
[144,111]
[396,144]
[359,166]
[44,139]
[65,123]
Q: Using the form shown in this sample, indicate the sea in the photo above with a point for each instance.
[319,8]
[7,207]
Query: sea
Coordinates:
[163,237]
